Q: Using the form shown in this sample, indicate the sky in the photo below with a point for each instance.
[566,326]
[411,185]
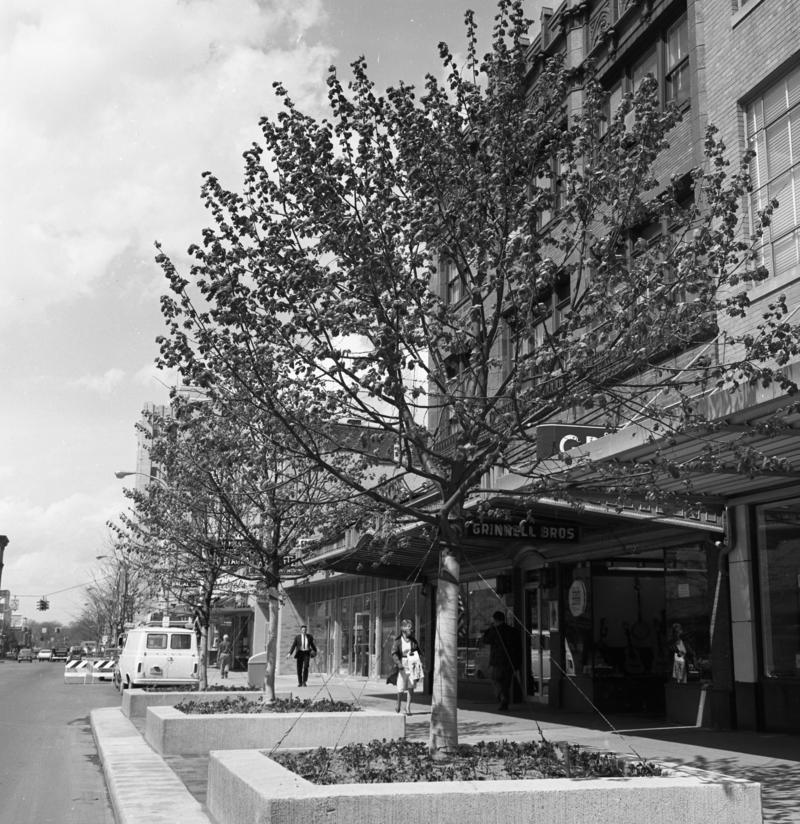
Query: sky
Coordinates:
[109,114]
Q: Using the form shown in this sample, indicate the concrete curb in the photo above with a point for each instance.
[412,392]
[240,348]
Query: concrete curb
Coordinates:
[141,786]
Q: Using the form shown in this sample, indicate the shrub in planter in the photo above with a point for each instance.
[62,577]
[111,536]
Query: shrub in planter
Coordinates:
[229,706]
[382,762]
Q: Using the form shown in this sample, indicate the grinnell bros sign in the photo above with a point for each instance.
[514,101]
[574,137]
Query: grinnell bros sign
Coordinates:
[557,533]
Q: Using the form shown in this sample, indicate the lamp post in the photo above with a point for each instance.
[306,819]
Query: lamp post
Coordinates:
[3,544]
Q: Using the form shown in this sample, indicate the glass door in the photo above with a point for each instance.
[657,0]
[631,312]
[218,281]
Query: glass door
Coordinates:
[537,644]
[361,643]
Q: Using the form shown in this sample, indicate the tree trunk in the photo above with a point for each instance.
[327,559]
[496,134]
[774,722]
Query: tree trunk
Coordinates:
[444,704]
[272,645]
[202,656]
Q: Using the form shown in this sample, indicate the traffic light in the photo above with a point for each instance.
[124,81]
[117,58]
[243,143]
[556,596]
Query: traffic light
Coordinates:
[42,604]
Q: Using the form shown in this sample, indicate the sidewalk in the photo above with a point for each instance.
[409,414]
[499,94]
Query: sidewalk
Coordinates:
[772,759]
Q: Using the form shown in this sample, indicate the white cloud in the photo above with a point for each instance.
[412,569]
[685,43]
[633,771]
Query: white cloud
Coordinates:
[52,547]
[102,384]
[111,112]
[149,377]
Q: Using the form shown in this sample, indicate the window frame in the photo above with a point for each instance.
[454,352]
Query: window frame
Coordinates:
[657,53]
[764,114]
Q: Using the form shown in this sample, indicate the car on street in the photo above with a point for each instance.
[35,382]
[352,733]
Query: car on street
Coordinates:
[45,655]
[25,654]
[60,654]
[75,654]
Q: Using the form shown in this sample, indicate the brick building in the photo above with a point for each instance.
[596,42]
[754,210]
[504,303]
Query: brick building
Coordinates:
[597,591]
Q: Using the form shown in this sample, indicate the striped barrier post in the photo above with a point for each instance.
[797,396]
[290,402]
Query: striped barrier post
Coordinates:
[76,672]
[103,670]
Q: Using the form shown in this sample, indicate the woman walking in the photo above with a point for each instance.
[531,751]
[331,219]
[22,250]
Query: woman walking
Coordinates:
[408,660]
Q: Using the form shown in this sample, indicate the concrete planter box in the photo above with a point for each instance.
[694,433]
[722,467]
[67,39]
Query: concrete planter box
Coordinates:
[135,702]
[245,786]
[172,732]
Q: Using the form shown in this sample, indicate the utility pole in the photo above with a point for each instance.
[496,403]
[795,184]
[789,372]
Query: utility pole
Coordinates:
[3,545]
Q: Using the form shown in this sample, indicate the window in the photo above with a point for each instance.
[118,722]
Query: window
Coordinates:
[778,550]
[455,285]
[156,640]
[667,60]
[180,642]
[644,67]
[677,66]
[611,106]
[477,601]
[561,304]
[551,185]
[773,129]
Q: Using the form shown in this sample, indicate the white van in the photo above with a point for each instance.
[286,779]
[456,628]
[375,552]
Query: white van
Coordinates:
[157,654]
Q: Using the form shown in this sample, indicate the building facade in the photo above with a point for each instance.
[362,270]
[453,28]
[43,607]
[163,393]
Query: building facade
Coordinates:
[597,591]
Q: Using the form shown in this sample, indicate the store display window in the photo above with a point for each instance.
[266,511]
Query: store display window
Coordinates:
[779,579]
[477,600]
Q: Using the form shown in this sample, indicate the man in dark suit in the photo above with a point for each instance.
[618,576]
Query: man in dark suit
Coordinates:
[504,657]
[303,648]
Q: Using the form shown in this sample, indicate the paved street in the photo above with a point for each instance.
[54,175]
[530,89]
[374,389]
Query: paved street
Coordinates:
[50,770]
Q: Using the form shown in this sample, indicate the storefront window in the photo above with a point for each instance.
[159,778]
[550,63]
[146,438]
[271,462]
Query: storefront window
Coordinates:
[779,574]
[688,604]
[388,629]
[319,627]
[477,601]
[577,623]
[638,603]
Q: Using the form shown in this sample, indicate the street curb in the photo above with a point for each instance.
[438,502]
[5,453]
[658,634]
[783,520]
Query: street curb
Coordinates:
[141,786]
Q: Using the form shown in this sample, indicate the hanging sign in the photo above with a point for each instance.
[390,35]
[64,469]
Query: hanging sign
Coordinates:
[553,439]
[577,598]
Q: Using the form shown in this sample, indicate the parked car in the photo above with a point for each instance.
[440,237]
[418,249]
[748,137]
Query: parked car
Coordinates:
[45,655]
[157,655]
[25,654]
[60,654]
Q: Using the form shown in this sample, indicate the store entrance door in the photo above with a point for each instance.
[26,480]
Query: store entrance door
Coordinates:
[361,643]
[537,645]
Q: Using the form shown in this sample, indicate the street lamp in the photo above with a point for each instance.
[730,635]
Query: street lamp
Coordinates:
[3,544]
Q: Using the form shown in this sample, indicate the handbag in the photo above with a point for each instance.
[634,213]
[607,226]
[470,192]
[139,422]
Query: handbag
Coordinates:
[392,679]
[415,666]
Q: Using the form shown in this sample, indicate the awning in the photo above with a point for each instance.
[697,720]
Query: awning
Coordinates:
[412,555]
[696,475]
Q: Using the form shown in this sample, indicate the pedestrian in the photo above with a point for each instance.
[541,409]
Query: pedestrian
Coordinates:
[407,657]
[504,657]
[224,656]
[682,655]
[304,649]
